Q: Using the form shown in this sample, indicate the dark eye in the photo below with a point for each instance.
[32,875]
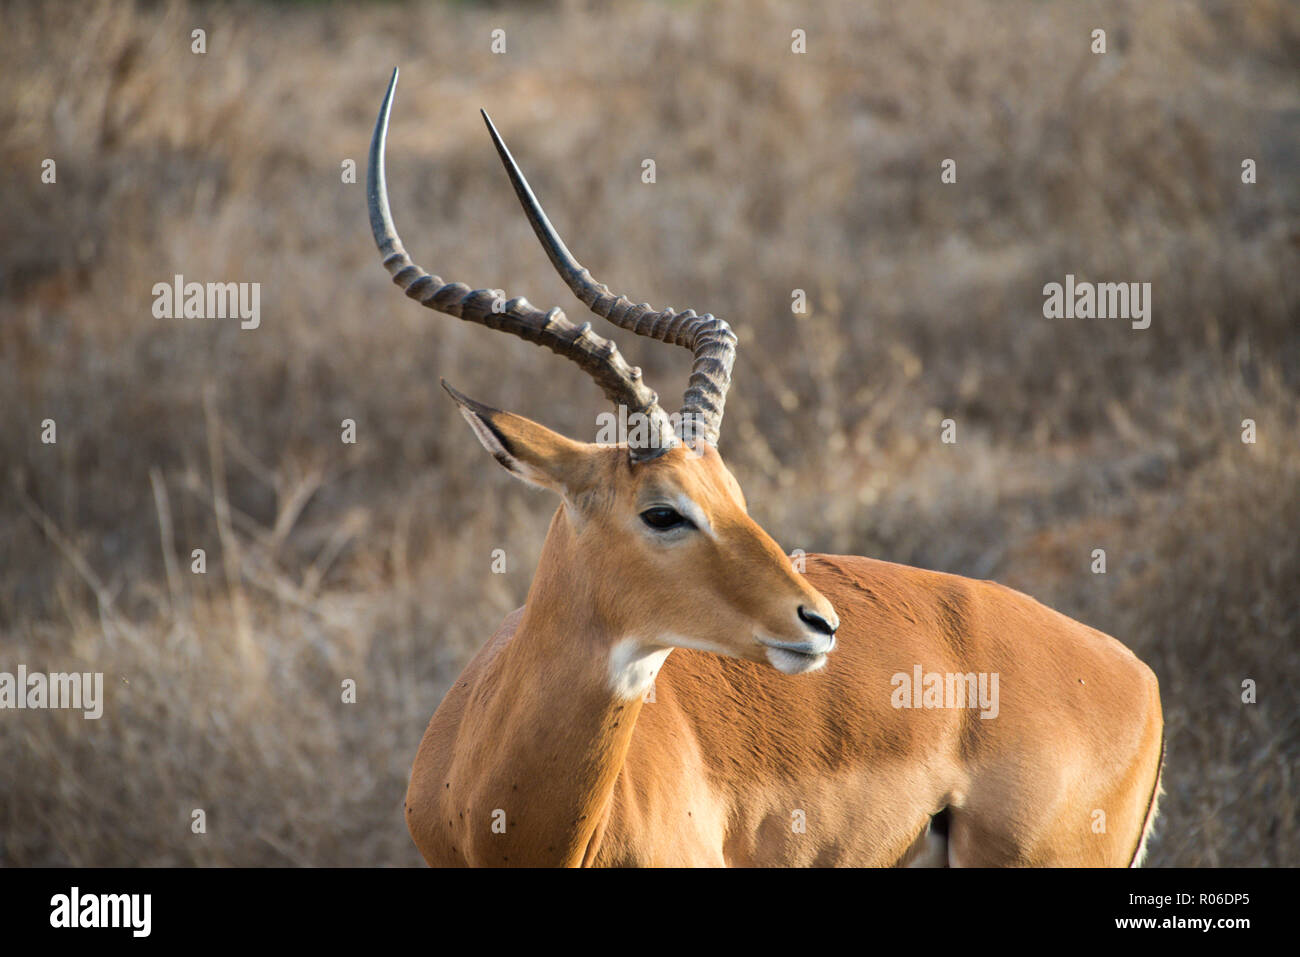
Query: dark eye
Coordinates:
[663,518]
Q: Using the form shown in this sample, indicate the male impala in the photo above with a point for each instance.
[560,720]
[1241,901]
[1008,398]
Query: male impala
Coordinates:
[781,729]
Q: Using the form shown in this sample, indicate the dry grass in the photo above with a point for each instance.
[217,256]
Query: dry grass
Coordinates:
[775,171]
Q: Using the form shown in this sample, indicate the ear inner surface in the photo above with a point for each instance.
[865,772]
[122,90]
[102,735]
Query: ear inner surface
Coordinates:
[527,450]
[492,440]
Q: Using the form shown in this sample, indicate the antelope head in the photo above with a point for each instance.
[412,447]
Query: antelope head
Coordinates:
[653,536]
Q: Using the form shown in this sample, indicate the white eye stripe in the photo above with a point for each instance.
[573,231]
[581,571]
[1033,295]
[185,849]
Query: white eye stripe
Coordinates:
[696,514]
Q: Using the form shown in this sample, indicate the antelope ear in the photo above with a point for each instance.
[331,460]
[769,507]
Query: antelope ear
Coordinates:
[528,451]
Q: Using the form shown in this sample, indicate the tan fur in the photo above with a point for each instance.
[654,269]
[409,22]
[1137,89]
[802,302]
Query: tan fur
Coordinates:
[731,753]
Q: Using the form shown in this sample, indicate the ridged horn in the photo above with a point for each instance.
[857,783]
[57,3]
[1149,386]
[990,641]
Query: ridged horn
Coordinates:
[597,356]
[710,339]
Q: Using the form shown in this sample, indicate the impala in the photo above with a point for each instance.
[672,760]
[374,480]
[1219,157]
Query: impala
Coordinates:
[675,692]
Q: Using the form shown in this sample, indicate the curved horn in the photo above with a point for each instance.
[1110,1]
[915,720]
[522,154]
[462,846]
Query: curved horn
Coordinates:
[599,357]
[710,339]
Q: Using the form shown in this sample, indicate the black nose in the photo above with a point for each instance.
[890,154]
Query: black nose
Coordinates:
[815,621]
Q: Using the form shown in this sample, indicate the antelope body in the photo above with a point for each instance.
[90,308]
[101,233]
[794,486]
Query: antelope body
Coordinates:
[675,692]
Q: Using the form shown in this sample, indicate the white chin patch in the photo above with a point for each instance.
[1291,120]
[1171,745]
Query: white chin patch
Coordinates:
[792,663]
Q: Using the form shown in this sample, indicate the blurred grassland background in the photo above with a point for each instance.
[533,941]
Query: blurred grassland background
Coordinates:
[775,171]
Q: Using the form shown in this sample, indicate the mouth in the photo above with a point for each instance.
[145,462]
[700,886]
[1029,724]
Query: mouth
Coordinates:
[794,662]
[791,658]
